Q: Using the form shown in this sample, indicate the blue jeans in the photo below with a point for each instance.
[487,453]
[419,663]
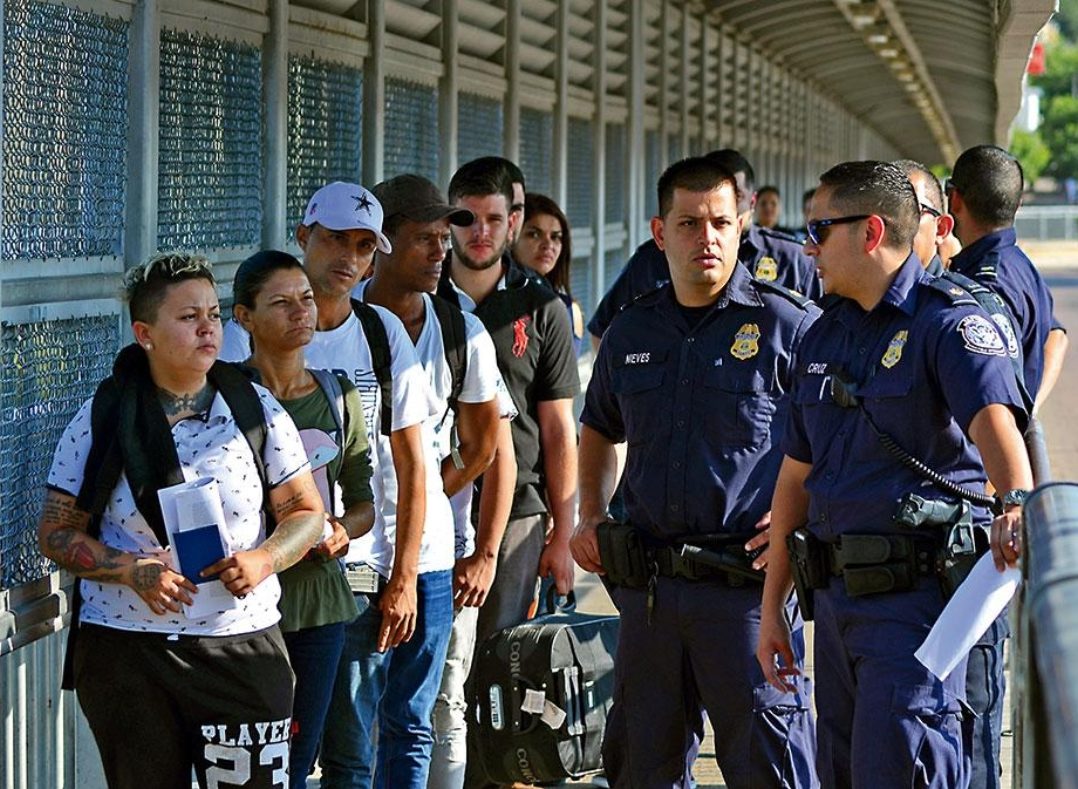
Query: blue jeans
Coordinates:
[390,695]
[314,653]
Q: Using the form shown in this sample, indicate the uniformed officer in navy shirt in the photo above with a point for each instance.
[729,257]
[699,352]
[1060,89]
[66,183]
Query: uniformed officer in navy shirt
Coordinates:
[693,378]
[901,354]
[985,191]
[770,255]
[985,681]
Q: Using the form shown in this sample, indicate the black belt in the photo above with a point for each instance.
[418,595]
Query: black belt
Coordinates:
[730,565]
[876,563]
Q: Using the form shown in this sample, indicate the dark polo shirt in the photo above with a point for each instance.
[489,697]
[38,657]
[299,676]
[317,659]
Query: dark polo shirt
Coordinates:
[534,345]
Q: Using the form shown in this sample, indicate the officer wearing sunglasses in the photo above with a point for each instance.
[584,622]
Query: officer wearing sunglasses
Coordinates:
[920,362]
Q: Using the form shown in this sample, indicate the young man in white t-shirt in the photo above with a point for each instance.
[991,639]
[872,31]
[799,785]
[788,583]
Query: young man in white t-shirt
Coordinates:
[464,435]
[341,230]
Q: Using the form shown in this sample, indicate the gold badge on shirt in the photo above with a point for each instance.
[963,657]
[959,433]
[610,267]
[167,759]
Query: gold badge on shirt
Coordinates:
[894,350]
[746,342]
[767,269]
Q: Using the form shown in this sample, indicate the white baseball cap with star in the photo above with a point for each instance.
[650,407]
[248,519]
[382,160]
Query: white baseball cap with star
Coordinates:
[343,206]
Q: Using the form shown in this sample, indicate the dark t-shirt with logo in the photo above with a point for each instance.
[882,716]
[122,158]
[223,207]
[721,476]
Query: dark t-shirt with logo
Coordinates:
[534,344]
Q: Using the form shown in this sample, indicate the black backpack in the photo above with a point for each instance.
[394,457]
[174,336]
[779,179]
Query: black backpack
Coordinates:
[454,342]
[104,467]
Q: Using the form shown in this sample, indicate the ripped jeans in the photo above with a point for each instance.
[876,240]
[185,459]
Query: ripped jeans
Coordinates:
[449,756]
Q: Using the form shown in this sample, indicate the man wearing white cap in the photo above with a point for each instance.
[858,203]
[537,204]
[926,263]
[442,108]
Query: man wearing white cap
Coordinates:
[340,231]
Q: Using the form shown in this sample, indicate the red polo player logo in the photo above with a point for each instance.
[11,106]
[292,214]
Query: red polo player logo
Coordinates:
[520,335]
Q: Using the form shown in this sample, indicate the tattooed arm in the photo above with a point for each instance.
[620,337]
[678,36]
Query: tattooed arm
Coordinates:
[62,538]
[297,507]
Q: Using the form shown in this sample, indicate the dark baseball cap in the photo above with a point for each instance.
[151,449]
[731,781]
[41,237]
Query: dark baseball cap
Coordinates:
[416,198]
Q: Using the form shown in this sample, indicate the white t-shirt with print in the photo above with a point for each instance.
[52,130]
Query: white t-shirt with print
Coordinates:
[211,447]
[482,382]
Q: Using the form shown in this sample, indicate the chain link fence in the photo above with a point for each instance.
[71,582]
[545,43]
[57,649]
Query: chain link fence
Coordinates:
[537,149]
[479,124]
[325,135]
[65,124]
[210,148]
[580,198]
[411,129]
[47,369]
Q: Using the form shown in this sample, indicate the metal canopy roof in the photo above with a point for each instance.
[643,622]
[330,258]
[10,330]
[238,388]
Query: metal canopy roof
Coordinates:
[932,77]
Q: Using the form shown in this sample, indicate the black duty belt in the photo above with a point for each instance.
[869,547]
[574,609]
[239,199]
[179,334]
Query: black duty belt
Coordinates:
[877,563]
[728,564]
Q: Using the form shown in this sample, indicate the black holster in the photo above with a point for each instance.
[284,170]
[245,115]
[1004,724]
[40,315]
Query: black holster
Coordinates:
[960,543]
[808,565]
[623,555]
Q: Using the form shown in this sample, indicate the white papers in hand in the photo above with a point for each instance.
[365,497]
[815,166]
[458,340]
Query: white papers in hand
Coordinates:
[966,617]
[195,523]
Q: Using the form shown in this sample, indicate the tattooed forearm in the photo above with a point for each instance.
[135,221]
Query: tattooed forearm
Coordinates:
[60,511]
[283,509]
[63,539]
[292,538]
[81,555]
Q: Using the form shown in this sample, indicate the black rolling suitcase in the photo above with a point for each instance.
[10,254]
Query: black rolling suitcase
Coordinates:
[541,693]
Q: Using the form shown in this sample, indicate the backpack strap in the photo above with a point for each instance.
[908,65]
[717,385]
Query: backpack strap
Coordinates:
[381,358]
[991,303]
[104,463]
[331,387]
[455,346]
[246,407]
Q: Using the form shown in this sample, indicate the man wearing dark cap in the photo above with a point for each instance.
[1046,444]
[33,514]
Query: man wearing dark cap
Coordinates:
[458,357]
[396,694]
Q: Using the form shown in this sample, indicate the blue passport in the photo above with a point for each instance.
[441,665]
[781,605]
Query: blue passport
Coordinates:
[197,549]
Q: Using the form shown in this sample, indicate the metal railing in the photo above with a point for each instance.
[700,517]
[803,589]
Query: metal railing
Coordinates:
[1045,679]
[1047,223]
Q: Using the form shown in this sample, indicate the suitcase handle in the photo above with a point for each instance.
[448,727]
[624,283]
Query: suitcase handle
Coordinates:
[554,602]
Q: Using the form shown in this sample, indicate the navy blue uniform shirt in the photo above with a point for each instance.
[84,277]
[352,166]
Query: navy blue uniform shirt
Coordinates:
[700,407]
[770,256]
[997,263]
[926,359]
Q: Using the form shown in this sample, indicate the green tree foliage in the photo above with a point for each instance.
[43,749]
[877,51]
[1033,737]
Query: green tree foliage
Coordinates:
[1059,105]
[1060,133]
[1029,149]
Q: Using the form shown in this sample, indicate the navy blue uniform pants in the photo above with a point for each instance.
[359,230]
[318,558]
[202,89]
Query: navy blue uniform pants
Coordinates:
[884,720]
[697,653]
[985,685]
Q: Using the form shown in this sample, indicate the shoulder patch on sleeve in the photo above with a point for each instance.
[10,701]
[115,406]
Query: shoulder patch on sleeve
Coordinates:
[801,301]
[980,335]
[954,294]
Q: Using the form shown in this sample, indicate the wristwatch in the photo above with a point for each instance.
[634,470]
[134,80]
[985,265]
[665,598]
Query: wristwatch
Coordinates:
[1014,498]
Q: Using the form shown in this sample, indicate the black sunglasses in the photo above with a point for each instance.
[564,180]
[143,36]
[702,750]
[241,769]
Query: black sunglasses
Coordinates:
[814,227]
[933,212]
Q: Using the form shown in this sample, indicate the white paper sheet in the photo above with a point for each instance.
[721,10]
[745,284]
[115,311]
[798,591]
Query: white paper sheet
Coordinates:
[196,505]
[966,617]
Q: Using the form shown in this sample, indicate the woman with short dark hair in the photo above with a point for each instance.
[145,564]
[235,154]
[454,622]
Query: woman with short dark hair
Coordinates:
[167,684]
